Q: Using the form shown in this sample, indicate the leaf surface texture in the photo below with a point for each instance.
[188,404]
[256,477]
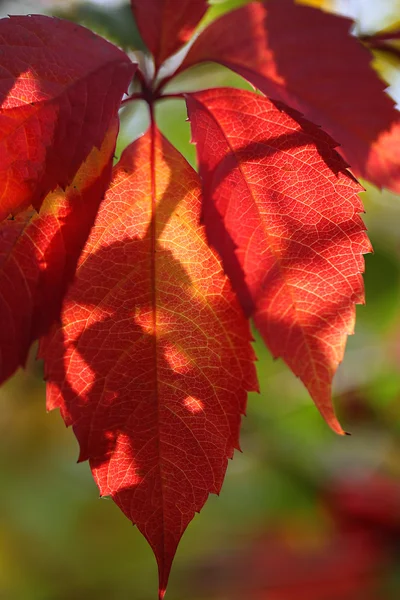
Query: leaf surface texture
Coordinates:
[153,360]
[307,58]
[281,209]
[39,254]
[166,25]
[60,90]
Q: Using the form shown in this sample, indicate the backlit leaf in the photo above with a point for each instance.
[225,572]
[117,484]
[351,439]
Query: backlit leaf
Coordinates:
[153,360]
[39,253]
[290,237]
[306,58]
[165,25]
[60,89]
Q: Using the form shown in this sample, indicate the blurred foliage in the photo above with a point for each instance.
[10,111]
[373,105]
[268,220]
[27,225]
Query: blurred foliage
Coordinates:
[303,515]
[116,24]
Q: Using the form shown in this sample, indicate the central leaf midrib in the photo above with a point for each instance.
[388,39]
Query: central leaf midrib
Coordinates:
[153,292]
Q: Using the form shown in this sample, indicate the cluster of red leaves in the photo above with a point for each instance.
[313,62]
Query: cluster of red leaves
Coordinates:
[139,281]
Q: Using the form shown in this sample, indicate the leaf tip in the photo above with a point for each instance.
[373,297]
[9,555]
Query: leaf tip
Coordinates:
[334,425]
[328,414]
[161,594]
[164,569]
[83,456]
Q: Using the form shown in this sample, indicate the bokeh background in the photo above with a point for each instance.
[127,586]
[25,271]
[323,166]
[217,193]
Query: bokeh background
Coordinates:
[303,514]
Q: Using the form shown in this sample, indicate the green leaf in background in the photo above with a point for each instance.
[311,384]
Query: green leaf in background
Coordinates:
[117,25]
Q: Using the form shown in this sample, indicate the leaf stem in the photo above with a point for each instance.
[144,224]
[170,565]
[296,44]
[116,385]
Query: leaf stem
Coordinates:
[132,97]
[179,95]
[159,88]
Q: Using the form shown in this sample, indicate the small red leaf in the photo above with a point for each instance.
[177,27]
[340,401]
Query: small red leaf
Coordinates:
[153,360]
[289,213]
[60,89]
[307,59]
[39,253]
[166,25]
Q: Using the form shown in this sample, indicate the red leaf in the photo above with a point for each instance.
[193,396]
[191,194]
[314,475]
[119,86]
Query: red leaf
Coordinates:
[60,89]
[289,208]
[153,361]
[166,25]
[307,59]
[372,502]
[39,253]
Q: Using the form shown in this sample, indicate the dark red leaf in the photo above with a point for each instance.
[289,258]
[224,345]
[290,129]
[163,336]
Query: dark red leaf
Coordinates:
[39,253]
[166,25]
[279,202]
[373,502]
[153,360]
[60,89]
[307,59]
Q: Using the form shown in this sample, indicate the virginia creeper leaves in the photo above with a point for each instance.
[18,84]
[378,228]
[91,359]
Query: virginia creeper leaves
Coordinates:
[289,212]
[307,59]
[165,25]
[39,253]
[153,360]
[60,89]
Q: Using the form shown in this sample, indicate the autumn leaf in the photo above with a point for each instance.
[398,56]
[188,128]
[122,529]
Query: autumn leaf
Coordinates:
[39,253]
[139,281]
[153,360]
[307,58]
[60,89]
[166,25]
[279,202]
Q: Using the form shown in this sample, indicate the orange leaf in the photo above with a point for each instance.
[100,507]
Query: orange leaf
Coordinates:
[39,253]
[153,360]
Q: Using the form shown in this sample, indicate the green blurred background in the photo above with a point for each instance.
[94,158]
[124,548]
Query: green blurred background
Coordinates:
[303,514]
